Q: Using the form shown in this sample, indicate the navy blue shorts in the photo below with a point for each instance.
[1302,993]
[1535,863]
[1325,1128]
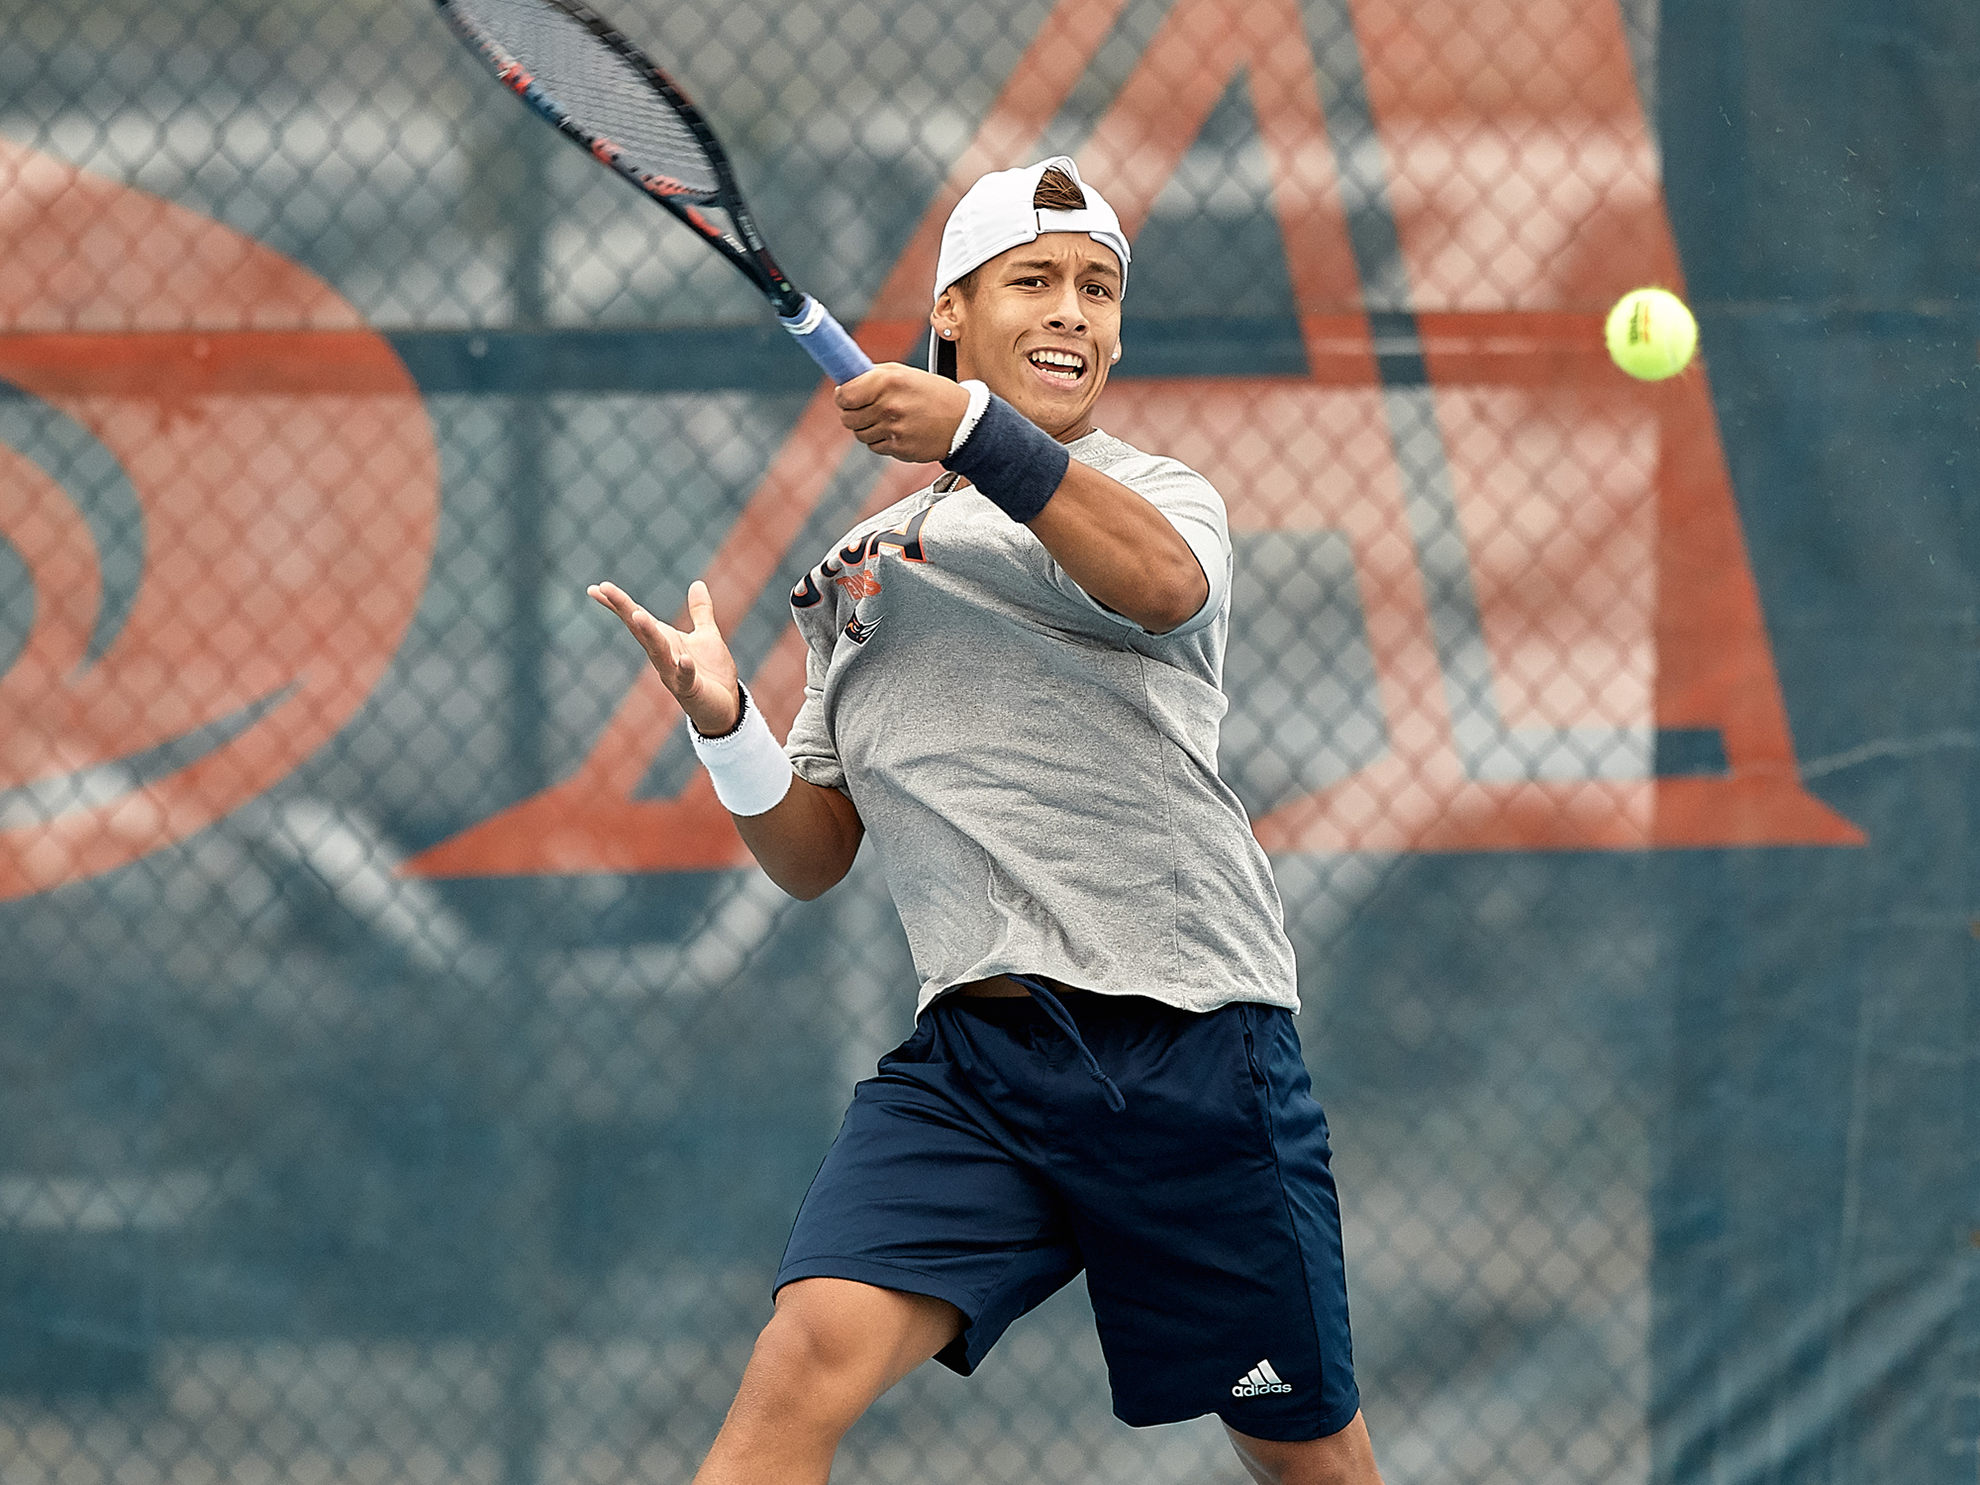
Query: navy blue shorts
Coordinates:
[983,1165]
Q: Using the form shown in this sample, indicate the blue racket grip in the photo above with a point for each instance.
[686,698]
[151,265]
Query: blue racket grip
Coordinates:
[825,340]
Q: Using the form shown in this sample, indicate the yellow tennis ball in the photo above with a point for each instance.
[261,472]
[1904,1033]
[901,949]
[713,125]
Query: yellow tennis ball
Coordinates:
[1651,334]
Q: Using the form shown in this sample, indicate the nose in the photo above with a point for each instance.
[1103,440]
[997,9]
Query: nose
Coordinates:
[1069,314]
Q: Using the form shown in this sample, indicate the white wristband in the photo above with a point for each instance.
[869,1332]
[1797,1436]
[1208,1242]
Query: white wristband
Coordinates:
[747,763]
[979,399]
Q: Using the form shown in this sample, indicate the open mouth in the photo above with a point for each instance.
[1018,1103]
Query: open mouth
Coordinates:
[1066,367]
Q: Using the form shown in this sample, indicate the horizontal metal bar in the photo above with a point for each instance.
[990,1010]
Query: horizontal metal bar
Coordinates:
[760,358]
[1395,349]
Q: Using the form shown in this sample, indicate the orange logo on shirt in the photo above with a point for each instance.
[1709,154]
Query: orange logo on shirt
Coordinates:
[847,567]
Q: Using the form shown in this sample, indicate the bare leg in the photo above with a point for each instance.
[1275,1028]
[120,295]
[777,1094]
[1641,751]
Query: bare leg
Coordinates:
[831,1349]
[1344,1458]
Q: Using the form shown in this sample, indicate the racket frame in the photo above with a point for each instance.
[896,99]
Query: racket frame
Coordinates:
[744,247]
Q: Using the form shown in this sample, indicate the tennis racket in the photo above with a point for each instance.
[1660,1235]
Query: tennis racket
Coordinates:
[568,63]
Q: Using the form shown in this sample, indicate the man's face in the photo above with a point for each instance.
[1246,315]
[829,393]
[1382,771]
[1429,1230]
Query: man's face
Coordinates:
[1039,328]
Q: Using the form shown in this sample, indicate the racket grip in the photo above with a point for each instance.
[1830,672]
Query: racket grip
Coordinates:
[825,340]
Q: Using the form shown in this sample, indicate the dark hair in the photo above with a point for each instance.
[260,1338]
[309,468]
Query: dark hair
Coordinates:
[1058,191]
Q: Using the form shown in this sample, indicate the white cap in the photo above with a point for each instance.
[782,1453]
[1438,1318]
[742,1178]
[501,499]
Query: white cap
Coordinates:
[996,215]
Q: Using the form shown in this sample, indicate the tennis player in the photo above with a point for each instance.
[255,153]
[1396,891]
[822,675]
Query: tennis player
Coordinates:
[1014,686]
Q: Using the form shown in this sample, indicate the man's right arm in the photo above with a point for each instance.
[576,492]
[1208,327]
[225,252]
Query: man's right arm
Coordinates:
[806,841]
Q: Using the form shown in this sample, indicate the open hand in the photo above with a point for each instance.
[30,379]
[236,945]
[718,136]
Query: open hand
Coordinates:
[695,666]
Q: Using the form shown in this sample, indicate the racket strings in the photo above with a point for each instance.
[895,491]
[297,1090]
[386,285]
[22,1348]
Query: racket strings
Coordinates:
[604,93]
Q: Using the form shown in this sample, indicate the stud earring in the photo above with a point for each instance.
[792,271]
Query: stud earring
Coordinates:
[1116,356]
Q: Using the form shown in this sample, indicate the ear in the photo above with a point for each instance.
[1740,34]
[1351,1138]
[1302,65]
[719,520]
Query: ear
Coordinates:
[948,314]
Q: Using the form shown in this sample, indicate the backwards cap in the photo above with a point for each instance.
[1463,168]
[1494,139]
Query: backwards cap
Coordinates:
[996,215]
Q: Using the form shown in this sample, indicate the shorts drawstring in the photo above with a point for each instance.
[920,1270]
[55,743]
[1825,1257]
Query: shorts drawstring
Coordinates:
[1062,1018]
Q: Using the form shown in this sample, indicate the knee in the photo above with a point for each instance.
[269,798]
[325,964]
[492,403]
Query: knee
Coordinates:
[1344,1458]
[830,1338]
[841,1328]
[834,1346]
[811,1343]
[805,1377]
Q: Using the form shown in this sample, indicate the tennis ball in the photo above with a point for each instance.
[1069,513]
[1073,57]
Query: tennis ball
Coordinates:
[1651,334]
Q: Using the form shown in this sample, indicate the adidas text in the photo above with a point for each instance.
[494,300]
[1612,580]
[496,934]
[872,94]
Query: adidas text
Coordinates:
[1261,1379]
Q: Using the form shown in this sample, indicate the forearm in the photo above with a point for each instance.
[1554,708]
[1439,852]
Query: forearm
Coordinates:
[1121,550]
[803,836]
[807,841]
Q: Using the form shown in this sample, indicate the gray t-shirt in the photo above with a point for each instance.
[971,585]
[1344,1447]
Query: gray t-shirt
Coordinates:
[1039,774]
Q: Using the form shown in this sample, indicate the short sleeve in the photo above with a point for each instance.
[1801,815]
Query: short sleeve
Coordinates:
[813,755]
[1196,510]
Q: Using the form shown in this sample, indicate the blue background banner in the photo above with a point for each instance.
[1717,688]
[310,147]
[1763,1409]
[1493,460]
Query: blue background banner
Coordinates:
[404,1077]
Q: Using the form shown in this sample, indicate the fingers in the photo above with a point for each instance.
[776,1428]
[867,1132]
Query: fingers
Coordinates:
[881,428]
[613,597]
[902,413]
[712,707]
[868,421]
[701,608]
[862,390]
[869,408]
[664,645]
[630,614]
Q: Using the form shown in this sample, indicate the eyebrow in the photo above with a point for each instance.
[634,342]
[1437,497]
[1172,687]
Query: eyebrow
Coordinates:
[1093,265]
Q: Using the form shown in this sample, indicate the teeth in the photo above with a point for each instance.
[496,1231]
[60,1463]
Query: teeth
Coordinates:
[1065,359]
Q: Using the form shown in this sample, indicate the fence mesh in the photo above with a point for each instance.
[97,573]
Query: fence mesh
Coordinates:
[406,1081]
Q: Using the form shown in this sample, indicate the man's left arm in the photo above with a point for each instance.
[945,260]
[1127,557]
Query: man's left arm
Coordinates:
[1123,552]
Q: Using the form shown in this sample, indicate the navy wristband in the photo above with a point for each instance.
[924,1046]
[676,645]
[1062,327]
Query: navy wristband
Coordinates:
[1013,461]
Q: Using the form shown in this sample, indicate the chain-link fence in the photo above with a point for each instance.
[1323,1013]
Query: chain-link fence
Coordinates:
[406,1081]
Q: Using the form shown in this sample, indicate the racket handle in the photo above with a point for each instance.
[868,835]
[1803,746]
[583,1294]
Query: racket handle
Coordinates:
[825,340]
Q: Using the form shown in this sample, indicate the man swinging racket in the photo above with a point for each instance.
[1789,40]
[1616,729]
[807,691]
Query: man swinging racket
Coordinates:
[1013,685]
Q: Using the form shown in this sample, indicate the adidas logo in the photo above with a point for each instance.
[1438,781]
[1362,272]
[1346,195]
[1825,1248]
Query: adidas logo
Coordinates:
[1260,1380]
